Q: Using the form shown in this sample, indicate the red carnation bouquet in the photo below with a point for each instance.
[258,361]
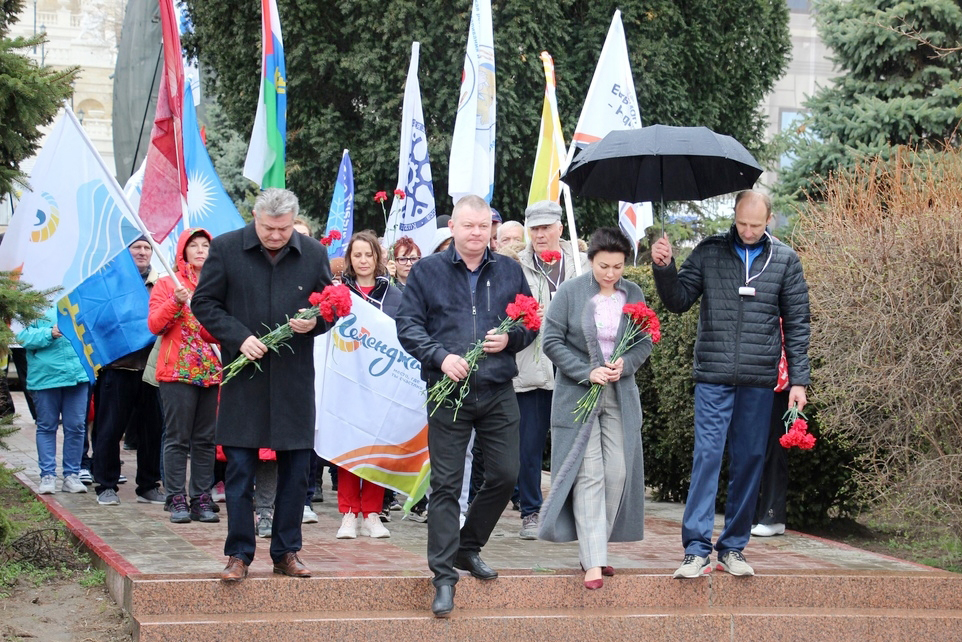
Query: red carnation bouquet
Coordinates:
[335,235]
[550,256]
[642,322]
[333,302]
[522,311]
[796,430]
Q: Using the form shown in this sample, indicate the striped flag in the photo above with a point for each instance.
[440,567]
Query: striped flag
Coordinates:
[165,180]
[265,156]
[341,215]
[472,146]
[612,105]
[551,145]
[415,214]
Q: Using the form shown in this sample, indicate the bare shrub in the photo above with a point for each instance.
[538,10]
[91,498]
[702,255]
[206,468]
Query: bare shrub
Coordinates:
[883,259]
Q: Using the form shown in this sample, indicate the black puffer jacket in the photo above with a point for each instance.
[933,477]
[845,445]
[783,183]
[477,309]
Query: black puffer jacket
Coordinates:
[739,342]
[438,315]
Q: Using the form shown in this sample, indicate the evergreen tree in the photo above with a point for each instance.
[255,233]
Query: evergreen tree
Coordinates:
[700,62]
[30,96]
[894,89]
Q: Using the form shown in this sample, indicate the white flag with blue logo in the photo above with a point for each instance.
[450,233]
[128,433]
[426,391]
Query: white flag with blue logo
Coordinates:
[75,218]
[341,215]
[413,215]
[472,146]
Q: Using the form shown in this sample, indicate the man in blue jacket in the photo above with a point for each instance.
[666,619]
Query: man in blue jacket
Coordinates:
[746,280]
[453,299]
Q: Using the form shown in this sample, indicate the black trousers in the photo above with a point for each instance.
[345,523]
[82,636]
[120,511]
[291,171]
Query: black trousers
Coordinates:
[774,487]
[122,399]
[292,470]
[495,418]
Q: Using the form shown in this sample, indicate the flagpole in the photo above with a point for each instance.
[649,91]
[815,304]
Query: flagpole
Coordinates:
[136,217]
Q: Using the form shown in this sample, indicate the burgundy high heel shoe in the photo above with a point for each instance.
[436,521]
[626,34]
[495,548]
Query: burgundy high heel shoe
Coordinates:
[591,585]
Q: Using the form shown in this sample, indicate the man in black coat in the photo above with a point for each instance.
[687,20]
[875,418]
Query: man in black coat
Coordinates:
[254,279]
[747,280]
[453,299]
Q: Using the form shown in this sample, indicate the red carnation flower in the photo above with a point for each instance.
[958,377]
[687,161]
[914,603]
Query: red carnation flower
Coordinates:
[315,298]
[399,193]
[334,301]
[526,309]
[326,241]
[550,256]
[380,197]
[335,235]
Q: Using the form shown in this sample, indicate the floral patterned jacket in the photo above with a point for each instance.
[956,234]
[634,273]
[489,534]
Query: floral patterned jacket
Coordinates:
[186,348]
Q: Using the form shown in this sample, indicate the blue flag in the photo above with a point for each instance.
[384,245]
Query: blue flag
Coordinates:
[105,317]
[208,205]
[341,216]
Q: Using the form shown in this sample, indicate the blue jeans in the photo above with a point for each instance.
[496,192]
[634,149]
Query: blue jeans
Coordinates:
[535,407]
[740,415]
[52,404]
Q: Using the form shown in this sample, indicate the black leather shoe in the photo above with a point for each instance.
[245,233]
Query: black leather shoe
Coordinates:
[443,602]
[473,563]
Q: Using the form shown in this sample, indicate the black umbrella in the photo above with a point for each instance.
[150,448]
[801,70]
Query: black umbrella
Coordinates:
[662,163]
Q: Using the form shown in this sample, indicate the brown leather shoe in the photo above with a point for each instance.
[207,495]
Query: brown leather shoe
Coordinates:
[291,565]
[236,570]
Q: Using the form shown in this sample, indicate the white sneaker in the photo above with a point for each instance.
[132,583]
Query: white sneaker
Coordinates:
[48,485]
[348,529]
[310,517]
[693,566]
[767,530]
[734,562]
[372,527]
[217,493]
[72,484]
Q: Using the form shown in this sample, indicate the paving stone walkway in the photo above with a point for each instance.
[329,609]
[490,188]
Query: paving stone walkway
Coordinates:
[138,538]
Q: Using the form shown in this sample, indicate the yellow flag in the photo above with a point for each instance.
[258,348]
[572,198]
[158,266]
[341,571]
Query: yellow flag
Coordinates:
[551,145]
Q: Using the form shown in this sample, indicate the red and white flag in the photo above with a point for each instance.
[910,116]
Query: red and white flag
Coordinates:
[165,180]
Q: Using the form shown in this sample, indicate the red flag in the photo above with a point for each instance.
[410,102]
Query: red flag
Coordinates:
[165,181]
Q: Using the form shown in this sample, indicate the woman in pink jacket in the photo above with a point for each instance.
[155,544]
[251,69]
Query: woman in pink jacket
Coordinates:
[189,376]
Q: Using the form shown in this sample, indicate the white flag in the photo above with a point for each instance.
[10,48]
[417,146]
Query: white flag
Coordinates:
[74,220]
[371,418]
[612,105]
[472,146]
[415,214]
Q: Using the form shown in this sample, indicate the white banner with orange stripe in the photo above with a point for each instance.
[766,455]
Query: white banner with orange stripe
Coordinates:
[371,417]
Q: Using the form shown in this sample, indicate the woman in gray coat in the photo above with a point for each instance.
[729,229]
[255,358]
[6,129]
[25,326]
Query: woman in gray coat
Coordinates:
[597,480]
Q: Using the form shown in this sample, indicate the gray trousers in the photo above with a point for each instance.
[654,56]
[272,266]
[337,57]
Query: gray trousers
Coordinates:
[600,482]
[190,413]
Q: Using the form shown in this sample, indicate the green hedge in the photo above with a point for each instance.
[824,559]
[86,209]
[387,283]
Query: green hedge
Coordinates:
[820,480]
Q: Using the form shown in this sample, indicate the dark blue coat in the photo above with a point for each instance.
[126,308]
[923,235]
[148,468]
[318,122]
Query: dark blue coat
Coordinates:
[439,316]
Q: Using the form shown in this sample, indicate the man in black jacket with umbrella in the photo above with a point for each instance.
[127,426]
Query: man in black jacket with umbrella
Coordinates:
[746,280]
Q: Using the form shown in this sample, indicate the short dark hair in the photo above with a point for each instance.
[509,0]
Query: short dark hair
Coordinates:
[608,239]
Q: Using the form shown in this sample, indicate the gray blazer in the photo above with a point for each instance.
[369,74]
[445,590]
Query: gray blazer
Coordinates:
[570,340]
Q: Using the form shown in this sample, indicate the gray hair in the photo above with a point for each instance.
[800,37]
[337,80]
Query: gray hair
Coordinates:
[274,202]
[507,225]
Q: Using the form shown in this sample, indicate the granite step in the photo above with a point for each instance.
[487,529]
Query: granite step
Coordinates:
[189,596]
[707,623]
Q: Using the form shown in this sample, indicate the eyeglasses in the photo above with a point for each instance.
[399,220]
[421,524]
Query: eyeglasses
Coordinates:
[407,259]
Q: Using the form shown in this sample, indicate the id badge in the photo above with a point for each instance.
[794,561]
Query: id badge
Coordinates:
[746,290]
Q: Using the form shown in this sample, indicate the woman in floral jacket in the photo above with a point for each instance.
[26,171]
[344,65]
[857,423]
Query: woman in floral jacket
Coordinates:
[189,376]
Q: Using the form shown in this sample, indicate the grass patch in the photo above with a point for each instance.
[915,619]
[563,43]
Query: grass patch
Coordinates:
[35,547]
